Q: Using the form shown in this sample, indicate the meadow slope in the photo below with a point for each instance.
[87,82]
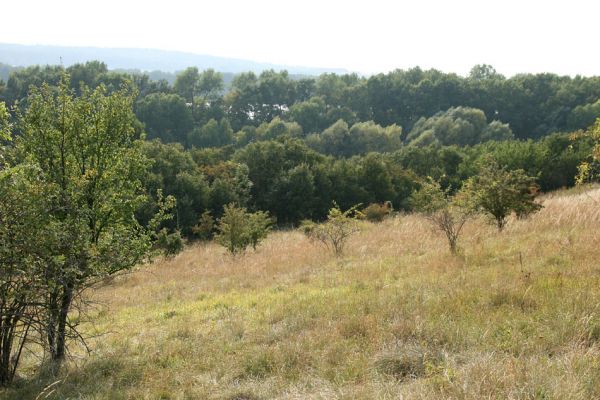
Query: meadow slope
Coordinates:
[515,316]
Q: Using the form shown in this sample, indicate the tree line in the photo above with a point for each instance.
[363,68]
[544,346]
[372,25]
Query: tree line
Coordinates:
[292,146]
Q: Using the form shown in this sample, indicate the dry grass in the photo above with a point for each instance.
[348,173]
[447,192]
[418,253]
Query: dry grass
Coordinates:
[515,316]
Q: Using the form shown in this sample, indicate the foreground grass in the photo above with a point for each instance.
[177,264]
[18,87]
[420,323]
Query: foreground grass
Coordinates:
[516,315]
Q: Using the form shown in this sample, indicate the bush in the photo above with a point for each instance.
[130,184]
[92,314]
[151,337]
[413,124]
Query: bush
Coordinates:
[334,232]
[406,362]
[204,229]
[238,229]
[446,213]
[498,192]
[170,243]
[377,212]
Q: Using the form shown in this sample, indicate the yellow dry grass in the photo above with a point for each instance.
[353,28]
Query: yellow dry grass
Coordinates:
[516,315]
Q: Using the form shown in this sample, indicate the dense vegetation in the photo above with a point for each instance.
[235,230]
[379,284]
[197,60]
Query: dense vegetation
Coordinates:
[291,146]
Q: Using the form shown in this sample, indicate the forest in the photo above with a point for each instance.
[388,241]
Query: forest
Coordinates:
[292,145]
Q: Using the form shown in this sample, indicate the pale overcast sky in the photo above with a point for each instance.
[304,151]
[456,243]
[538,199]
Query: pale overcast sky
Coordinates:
[364,36]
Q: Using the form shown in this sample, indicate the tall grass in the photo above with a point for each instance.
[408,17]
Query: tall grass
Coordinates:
[516,315]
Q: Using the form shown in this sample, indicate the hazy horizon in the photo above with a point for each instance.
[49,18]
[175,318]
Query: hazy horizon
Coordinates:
[514,37]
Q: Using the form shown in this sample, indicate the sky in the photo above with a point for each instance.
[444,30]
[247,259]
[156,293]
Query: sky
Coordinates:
[368,37]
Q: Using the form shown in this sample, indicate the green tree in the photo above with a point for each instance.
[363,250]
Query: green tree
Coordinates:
[26,238]
[212,134]
[87,151]
[165,116]
[186,84]
[589,170]
[448,214]
[237,228]
[498,192]
[174,172]
[458,125]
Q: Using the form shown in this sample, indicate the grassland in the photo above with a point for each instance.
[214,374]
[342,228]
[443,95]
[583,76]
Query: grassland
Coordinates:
[515,316]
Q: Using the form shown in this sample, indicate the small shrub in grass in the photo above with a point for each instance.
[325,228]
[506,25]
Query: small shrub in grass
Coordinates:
[448,214]
[243,396]
[259,365]
[335,232]
[238,228]
[377,212]
[402,363]
[170,243]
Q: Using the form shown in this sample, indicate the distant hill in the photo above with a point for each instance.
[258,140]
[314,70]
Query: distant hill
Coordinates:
[141,59]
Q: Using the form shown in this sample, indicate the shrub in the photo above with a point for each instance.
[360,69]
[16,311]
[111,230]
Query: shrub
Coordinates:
[377,212]
[238,229]
[170,243]
[334,232]
[446,213]
[498,192]
[204,229]
[406,362]
[589,170]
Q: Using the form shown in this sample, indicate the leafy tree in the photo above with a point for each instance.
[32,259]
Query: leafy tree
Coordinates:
[310,114]
[19,81]
[237,228]
[27,235]
[86,74]
[292,195]
[86,150]
[498,192]
[5,127]
[165,116]
[445,212]
[336,230]
[584,115]
[589,170]
[212,134]
[174,172]
[209,85]
[361,138]
[186,84]
[267,161]
[277,128]
[460,125]
[242,100]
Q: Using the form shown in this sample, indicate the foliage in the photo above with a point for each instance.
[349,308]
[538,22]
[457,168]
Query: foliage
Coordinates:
[170,243]
[165,116]
[375,212]
[211,134]
[174,172]
[446,213]
[498,192]
[459,125]
[5,131]
[88,155]
[204,229]
[237,228]
[336,230]
[589,170]
[26,239]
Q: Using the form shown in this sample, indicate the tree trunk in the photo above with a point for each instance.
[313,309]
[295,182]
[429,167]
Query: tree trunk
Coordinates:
[57,326]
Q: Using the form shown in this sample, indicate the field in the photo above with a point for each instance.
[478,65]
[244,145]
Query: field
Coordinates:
[516,315]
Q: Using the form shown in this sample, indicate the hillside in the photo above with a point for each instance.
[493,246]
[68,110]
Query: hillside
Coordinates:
[515,316]
[142,59]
